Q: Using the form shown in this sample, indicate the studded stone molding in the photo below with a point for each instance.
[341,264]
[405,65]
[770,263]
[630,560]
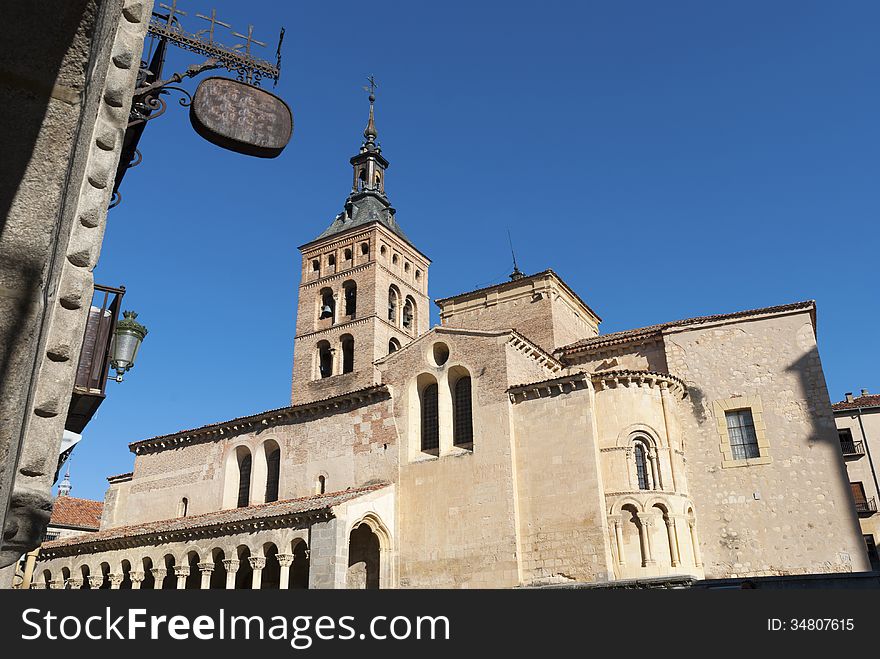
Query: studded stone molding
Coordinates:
[295,413]
[753,403]
[633,378]
[529,349]
[67,319]
[546,388]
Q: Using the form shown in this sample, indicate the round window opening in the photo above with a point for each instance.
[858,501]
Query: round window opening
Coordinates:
[441,353]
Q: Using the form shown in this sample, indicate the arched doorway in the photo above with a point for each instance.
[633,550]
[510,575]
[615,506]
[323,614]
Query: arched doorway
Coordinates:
[363,558]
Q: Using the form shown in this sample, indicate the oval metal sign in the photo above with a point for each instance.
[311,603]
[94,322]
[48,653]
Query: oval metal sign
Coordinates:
[241,118]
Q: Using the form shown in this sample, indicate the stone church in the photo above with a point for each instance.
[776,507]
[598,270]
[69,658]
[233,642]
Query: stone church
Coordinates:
[512,445]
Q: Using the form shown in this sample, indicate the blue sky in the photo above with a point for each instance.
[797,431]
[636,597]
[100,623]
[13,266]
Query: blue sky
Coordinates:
[666,159]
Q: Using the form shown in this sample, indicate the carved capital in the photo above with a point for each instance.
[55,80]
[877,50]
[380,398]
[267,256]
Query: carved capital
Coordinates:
[284,560]
[74,583]
[231,564]
[116,579]
[257,562]
[206,567]
[159,573]
[181,570]
[96,581]
[136,576]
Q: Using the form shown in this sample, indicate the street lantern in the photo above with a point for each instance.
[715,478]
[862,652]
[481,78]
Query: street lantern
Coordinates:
[126,340]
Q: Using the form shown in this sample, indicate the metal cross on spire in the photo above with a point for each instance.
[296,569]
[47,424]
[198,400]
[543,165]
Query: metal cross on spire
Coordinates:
[371,88]
[250,39]
[214,22]
[172,12]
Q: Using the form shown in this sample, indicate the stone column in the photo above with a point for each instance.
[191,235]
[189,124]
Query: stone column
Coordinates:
[698,560]
[257,565]
[231,565]
[75,584]
[159,574]
[115,581]
[618,537]
[285,561]
[181,572]
[96,581]
[655,469]
[206,570]
[673,541]
[673,432]
[646,523]
[137,578]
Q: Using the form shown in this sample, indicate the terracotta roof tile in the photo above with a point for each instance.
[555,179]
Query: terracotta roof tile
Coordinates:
[656,330]
[260,511]
[77,513]
[869,400]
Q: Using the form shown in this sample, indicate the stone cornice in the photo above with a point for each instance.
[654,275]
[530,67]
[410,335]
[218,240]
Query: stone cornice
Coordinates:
[339,274]
[183,535]
[551,387]
[544,358]
[627,378]
[294,414]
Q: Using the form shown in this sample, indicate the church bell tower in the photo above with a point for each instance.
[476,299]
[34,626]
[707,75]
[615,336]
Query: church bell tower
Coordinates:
[364,287]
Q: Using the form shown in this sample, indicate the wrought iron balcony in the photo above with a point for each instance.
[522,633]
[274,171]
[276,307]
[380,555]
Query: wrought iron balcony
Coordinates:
[852,449]
[866,507]
[94,358]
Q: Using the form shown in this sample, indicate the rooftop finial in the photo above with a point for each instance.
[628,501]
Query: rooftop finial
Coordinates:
[516,274]
[370,133]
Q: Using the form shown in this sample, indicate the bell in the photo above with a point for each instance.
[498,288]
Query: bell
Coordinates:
[326,311]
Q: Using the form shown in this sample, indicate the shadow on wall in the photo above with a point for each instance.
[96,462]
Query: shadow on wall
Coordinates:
[815,392]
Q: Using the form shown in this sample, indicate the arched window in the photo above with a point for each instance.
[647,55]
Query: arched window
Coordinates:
[378,179]
[273,470]
[362,179]
[406,267]
[393,346]
[462,413]
[331,260]
[394,259]
[183,507]
[328,304]
[365,248]
[347,353]
[641,456]
[430,419]
[321,485]
[316,266]
[350,289]
[244,477]
[393,299]
[409,313]
[347,254]
[325,359]
[383,250]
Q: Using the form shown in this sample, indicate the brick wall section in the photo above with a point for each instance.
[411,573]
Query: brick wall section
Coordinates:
[373,273]
[350,448]
[793,515]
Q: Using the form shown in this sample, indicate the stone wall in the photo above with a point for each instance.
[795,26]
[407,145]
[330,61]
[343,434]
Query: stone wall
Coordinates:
[67,73]
[790,511]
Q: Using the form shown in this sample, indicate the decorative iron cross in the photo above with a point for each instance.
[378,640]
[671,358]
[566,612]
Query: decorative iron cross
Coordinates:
[172,11]
[214,21]
[250,40]
[372,87]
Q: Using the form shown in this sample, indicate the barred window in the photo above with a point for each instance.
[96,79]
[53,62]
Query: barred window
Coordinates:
[462,413]
[741,430]
[244,480]
[642,466]
[430,419]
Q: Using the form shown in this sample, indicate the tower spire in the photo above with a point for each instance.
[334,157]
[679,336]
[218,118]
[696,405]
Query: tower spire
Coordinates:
[64,487]
[370,133]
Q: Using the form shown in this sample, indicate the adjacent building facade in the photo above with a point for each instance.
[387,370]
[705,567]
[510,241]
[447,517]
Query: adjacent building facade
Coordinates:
[512,445]
[858,427]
